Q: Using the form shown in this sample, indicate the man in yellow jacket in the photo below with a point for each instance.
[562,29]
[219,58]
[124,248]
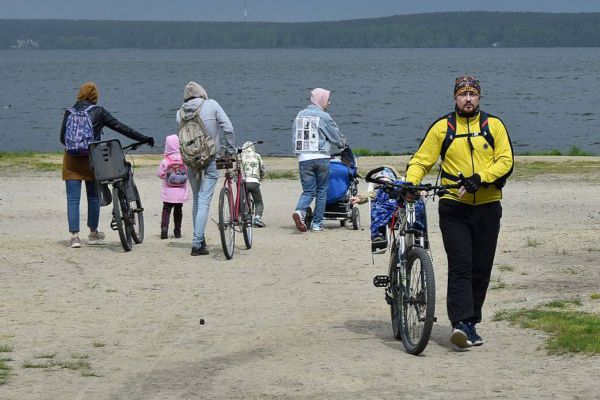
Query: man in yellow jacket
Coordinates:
[475,150]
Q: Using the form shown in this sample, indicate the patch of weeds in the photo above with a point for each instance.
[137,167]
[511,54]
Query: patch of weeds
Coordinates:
[506,268]
[592,249]
[282,175]
[563,303]
[532,242]
[80,356]
[31,364]
[5,348]
[595,296]
[574,332]
[498,283]
[98,344]
[111,290]
[4,367]
[570,271]
[45,355]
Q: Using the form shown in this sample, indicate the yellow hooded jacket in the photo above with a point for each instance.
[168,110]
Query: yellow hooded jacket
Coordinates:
[476,157]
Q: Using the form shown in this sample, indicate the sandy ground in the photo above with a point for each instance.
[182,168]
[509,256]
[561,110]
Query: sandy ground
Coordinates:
[295,317]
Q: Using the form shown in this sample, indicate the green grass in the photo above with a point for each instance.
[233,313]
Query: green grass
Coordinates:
[5,348]
[533,169]
[592,249]
[4,367]
[573,331]
[498,283]
[572,151]
[78,362]
[595,296]
[531,242]
[96,343]
[30,160]
[563,303]
[112,290]
[362,152]
[282,175]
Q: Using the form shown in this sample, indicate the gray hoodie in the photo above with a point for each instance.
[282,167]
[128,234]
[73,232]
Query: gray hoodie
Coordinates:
[215,120]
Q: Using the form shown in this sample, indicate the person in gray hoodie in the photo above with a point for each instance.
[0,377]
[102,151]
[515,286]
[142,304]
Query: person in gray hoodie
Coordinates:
[314,134]
[203,182]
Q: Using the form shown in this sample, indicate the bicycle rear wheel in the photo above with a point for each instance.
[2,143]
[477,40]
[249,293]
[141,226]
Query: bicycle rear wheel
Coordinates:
[247,217]
[120,212]
[136,216]
[226,224]
[418,301]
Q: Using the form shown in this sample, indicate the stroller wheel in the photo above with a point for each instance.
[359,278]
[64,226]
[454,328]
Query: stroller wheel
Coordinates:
[355,218]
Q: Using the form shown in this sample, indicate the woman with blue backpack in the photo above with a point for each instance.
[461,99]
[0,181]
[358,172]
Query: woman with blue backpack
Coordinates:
[82,124]
[175,189]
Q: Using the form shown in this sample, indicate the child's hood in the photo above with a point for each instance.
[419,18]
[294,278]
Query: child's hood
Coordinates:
[171,145]
[249,150]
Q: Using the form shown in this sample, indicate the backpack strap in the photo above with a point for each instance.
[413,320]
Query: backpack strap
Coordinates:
[450,134]
[485,128]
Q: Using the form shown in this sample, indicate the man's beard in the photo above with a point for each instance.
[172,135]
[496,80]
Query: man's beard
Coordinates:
[465,114]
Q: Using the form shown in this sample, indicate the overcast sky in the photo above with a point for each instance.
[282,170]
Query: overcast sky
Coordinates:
[269,10]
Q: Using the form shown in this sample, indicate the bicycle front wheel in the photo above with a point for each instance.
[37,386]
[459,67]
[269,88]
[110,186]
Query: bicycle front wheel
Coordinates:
[136,216]
[418,301]
[120,212]
[226,223]
[247,217]
[394,293]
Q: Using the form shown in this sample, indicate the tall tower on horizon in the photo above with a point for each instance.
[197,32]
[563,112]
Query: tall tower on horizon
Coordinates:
[245,10]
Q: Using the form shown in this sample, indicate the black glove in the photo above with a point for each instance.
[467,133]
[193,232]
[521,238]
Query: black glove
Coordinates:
[472,183]
[150,141]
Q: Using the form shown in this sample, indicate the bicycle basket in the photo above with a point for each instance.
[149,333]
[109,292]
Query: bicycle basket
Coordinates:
[224,164]
[107,160]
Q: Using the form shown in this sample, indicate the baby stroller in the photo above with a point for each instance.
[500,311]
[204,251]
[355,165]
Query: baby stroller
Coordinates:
[343,184]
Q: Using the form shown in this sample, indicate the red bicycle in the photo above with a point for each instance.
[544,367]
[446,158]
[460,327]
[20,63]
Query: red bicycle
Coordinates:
[236,207]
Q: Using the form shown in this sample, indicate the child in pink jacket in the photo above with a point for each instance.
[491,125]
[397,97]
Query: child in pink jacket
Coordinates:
[175,188]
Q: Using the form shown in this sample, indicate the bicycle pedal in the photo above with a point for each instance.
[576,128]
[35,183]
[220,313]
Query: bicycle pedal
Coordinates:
[113,225]
[381,280]
[138,210]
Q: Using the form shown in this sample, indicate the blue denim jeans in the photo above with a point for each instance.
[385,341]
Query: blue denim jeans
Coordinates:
[73,198]
[203,186]
[314,176]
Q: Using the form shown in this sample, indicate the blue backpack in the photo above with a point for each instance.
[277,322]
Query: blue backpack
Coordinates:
[79,131]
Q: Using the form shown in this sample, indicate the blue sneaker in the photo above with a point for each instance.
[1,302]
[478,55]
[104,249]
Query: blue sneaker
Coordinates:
[316,228]
[461,335]
[475,339]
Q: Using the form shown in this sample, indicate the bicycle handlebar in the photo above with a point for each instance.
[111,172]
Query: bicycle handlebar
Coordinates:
[134,146]
[438,190]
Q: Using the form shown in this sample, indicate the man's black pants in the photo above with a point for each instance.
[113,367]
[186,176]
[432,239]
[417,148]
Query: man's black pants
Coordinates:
[470,234]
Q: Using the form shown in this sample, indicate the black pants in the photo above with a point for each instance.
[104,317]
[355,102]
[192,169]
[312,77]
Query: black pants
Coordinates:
[470,235]
[166,215]
[254,191]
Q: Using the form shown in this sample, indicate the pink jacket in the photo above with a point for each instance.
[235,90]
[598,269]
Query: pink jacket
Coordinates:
[171,194]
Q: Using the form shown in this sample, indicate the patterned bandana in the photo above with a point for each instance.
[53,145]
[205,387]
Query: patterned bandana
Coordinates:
[467,84]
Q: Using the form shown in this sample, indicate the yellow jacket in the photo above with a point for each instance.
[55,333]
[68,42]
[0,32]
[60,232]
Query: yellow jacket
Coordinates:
[489,163]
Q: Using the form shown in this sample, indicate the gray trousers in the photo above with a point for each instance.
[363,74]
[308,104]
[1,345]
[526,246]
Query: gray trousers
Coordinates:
[254,191]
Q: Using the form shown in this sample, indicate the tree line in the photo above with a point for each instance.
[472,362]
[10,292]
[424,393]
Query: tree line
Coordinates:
[451,29]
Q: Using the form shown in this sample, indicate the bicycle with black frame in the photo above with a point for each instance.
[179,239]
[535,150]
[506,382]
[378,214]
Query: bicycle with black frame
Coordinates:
[236,207]
[110,167]
[410,282]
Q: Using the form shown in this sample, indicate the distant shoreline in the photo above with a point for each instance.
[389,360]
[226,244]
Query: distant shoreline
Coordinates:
[429,30]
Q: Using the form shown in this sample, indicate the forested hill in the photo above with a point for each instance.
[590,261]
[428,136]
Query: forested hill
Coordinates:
[466,29]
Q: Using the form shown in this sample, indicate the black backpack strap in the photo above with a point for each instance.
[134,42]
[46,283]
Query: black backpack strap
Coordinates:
[450,134]
[485,128]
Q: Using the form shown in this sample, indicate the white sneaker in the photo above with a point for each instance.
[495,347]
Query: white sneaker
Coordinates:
[96,238]
[299,220]
[316,228]
[75,242]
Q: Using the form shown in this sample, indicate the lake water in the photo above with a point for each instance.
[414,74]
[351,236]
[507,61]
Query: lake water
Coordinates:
[383,99]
